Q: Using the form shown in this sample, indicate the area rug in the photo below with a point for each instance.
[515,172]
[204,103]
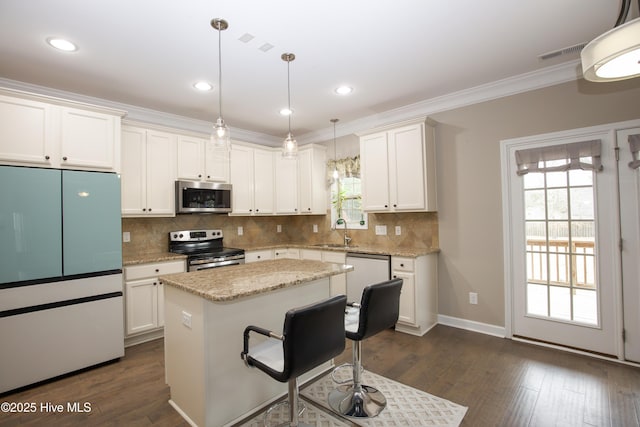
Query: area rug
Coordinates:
[406,406]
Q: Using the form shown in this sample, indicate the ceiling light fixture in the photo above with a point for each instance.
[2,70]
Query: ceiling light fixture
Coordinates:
[344,90]
[335,156]
[221,134]
[614,55]
[290,145]
[203,86]
[62,44]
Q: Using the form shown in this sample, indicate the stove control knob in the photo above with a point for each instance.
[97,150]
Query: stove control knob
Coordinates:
[175,235]
[181,235]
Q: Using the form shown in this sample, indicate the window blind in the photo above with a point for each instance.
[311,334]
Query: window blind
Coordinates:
[634,146]
[583,155]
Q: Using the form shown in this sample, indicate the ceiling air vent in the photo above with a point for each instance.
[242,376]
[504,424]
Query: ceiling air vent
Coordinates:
[564,51]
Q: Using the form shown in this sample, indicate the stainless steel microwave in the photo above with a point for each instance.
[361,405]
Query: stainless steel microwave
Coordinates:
[202,197]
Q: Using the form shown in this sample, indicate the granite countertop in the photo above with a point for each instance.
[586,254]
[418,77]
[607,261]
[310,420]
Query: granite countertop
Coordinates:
[403,252]
[234,282]
[152,257]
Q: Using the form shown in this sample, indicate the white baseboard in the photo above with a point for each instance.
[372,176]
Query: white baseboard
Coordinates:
[470,325]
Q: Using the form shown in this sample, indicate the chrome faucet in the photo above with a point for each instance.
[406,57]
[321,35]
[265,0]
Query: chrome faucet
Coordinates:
[347,239]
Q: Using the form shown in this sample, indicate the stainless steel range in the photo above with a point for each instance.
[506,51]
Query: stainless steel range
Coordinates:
[204,249]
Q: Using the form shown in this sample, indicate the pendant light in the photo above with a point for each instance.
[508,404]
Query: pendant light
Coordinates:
[220,136]
[335,157]
[290,145]
[614,55]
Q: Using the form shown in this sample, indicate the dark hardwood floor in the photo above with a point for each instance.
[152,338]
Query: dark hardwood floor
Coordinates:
[502,382]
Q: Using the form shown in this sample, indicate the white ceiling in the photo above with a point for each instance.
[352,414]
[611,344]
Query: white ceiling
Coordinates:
[148,53]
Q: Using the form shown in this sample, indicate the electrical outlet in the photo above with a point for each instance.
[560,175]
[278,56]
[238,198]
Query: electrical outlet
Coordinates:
[315,228]
[278,228]
[186,319]
[126,237]
[473,298]
[381,230]
[240,231]
[398,230]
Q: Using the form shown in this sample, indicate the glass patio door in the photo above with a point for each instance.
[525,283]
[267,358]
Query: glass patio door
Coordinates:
[562,230]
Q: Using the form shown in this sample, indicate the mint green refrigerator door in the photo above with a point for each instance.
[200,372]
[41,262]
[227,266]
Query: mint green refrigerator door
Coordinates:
[30,231]
[91,222]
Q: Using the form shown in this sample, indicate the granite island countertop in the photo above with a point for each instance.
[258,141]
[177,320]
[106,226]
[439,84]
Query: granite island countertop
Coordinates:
[238,281]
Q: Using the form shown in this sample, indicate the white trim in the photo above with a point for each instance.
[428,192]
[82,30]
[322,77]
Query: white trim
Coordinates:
[514,85]
[183,414]
[537,79]
[575,351]
[471,325]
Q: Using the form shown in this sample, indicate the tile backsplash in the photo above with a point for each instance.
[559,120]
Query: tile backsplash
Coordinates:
[150,235]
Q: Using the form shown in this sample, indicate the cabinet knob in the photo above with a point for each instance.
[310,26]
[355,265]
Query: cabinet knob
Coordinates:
[395,277]
[208,176]
[154,283]
[250,210]
[259,257]
[157,270]
[47,157]
[144,209]
[64,158]
[395,206]
[199,175]
[309,209]
[386,206]
[257,210]
[149,209]
[401,265]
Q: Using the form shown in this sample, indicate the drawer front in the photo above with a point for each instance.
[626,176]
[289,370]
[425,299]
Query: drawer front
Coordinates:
[402,264]
[254,256]
[142,271]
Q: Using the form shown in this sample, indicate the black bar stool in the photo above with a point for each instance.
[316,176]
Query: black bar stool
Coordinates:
[377,311]
[311,336]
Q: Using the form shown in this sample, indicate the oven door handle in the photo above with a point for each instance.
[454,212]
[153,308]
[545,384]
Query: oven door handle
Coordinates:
[215,265]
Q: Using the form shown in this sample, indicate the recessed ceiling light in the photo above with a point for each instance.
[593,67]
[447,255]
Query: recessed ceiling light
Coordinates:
[62,44]
[203,86]
[344,90]
[286,112]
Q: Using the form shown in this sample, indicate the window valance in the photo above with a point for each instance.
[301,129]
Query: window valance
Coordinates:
[347,167]
[583,155]
[634,146]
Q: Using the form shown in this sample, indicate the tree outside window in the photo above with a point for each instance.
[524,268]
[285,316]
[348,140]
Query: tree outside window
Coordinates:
[346,193]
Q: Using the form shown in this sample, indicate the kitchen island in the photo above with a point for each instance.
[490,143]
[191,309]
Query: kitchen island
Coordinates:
[205,315]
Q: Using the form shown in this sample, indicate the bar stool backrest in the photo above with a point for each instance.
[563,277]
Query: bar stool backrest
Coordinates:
[379,309]
[312,335]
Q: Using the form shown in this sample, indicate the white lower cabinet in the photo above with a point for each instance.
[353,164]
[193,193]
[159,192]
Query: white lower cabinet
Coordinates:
[144,297]
[260,255]
[419,297]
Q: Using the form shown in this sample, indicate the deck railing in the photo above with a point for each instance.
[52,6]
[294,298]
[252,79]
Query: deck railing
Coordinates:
[561,263]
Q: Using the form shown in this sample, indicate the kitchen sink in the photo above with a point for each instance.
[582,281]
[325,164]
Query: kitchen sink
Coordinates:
[333,245]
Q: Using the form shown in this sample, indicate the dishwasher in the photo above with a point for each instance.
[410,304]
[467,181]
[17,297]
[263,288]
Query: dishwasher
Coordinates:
[367,270]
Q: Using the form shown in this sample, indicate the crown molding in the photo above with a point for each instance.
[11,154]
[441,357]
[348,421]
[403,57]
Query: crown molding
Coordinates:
[514,85]
[140,115]
[544,77]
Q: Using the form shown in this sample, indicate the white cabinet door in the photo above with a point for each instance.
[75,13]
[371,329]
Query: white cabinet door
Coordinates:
[160,173]
[406,168]
[216,163]
[286,185]
[89,140]
[312,189]
[190,162]
[26,132]
[148,172]
[142,305]
[260,255]
[375,172]
[263,181]
[133,176]
[241,177]
[407,297]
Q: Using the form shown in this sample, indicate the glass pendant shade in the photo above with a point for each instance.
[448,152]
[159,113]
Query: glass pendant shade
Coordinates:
[290,147]
[221,136]
[614,55]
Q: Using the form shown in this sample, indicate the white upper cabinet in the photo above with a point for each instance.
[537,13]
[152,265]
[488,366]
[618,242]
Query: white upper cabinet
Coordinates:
[398,168]
[148,172]
[199,160]
[44,132]
[252,176]
[286,184]
[312,187]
